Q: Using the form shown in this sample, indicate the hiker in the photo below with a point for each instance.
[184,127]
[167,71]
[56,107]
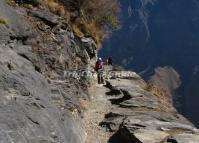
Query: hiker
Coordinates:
[99,68]
[109,61]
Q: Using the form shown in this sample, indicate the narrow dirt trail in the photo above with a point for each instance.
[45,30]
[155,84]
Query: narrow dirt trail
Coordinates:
[96,110]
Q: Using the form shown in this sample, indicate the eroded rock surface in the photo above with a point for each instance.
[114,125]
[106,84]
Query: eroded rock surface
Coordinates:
[37,103]
[139,116]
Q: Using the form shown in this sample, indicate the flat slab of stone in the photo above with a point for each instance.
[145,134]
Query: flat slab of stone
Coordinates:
[150,136]
[187,138]
[45,15]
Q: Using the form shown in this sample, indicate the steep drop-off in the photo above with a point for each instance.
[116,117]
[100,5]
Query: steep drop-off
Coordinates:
[158,33]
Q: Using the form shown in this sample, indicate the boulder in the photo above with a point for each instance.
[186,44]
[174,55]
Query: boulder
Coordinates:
[150,136]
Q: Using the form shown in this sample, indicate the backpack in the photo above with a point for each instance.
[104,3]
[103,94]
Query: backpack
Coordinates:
[98,65]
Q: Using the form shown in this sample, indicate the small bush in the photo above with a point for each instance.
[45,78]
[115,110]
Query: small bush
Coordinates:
[2,21]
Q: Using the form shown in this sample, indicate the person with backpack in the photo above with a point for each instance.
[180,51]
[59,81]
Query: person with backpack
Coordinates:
[99,67]
[110,61]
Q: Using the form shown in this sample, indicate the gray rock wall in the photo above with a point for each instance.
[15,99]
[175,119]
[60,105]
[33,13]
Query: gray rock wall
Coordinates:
[27,112]
[37,104]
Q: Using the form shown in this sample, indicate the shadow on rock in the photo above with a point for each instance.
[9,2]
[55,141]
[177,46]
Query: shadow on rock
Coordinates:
[114,92]
[120,100]
[123,137]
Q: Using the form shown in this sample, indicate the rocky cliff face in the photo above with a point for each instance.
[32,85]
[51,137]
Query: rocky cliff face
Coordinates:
[37,103]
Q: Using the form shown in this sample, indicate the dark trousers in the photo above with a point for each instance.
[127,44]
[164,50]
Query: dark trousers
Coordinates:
[100,77]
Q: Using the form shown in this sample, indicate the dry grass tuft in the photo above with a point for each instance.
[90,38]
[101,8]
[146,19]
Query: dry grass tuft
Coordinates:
[83,28]
[54,6]
[162,95]
[96,32]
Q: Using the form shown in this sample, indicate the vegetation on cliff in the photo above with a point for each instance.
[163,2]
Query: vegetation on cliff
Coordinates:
[162,94]
[90,18]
